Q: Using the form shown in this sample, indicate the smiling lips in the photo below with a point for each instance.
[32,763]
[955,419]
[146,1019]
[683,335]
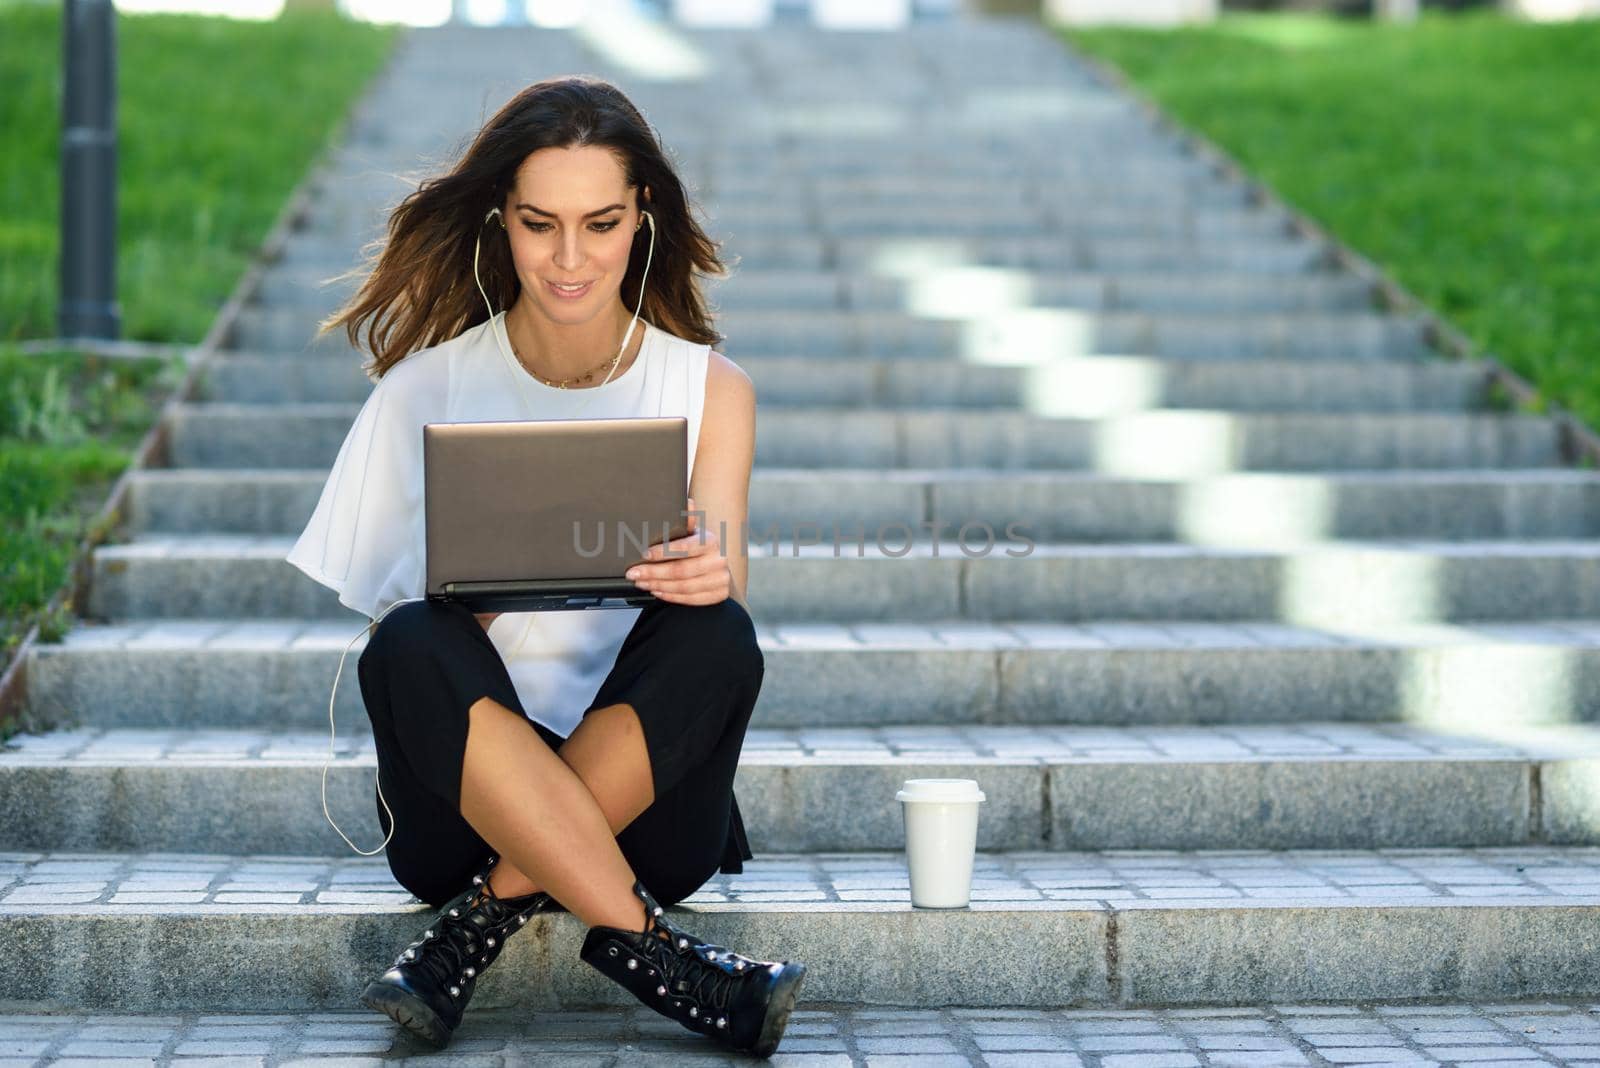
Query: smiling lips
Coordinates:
[569,293]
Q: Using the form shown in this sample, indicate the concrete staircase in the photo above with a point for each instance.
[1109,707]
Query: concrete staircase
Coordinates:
[1289,700]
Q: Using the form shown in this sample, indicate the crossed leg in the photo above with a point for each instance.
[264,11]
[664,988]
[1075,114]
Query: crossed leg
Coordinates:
[552,809]
[592,787]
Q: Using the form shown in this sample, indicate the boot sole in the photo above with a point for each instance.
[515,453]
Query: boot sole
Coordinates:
[784,992]
[407,1011]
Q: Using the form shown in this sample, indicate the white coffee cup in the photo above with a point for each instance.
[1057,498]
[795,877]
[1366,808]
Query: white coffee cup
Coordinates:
[941,817]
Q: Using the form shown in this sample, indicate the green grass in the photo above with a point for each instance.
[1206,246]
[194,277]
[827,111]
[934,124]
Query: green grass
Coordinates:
[69,423]
[1460,154]
[217,122]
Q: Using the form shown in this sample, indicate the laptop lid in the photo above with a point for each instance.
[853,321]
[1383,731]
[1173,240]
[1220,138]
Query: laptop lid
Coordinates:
[548,513]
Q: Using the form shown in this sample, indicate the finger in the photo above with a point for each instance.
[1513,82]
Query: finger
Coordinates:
[687,573]
[677,570]
[687,580]
[676,566]
[688,546]
[704,594]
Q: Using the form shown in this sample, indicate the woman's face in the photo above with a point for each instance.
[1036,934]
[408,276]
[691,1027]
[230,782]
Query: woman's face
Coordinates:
[570,218]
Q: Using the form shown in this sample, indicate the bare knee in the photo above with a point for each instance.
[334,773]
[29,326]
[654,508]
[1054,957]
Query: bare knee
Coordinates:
[483,706]
[620,716]
[489,721]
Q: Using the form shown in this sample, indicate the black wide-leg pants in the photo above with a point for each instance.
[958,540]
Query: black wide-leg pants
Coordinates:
[691,672]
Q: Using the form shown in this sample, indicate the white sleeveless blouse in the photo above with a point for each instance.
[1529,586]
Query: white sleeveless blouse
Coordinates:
[366,537]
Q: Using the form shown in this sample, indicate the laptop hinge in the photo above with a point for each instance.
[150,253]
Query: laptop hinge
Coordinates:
[544,587]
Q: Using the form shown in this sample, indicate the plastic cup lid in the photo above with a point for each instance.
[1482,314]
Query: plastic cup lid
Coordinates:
[940,790]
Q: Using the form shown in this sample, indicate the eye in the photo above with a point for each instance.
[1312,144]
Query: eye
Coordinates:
[599,227]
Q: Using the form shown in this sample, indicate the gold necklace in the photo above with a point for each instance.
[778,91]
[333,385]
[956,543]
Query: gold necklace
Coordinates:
[563,383]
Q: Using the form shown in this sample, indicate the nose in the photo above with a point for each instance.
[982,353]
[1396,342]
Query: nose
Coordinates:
[569,252]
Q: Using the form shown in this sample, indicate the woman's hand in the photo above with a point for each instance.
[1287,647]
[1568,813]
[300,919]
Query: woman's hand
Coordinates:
[696,572]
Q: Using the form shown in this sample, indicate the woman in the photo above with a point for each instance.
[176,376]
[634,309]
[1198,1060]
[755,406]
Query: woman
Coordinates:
[499,797]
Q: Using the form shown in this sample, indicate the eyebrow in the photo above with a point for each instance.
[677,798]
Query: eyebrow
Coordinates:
[552,215]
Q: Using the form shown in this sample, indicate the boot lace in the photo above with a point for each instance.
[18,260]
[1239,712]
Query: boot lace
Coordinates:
[684,974]
[449,946]
[445,947]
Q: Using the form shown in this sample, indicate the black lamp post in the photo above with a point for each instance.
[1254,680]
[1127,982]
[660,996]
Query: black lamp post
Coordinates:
[88,306]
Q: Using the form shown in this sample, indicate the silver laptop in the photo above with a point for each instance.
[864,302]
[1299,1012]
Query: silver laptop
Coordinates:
[547,514]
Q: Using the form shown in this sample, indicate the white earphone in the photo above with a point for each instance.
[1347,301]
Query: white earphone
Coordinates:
[381,799]
[332,737]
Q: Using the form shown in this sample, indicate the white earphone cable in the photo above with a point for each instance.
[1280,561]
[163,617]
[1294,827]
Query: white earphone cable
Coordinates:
[331,743]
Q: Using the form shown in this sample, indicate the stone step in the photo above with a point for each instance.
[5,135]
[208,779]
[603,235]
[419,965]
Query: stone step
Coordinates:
[813,167]
[364,192]
[1097,122]
[1041,187]
[938,290]
[1160,444]
[926,252]
[337,196]
[1244,508]
[836,161]
[340,220]
[1084,386]
[1061,104]
[1127,674]
[1103,120]
[183,933]
[929,146]
[714,178]
[241,577]
[1017,335]
[840,162]
[1267,256]
[1090,190]
[1100,125]
[1309,786]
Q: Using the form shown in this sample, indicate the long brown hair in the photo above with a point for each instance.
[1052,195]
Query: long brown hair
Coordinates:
[419,290]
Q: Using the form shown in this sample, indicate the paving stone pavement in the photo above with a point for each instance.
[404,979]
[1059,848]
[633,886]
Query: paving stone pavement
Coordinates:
[1293,702]
[822,1035]
[50,882]
[977,745]
[234,635]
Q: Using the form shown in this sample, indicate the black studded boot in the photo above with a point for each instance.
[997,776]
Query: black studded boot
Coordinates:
[742,1003]
[430,983]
